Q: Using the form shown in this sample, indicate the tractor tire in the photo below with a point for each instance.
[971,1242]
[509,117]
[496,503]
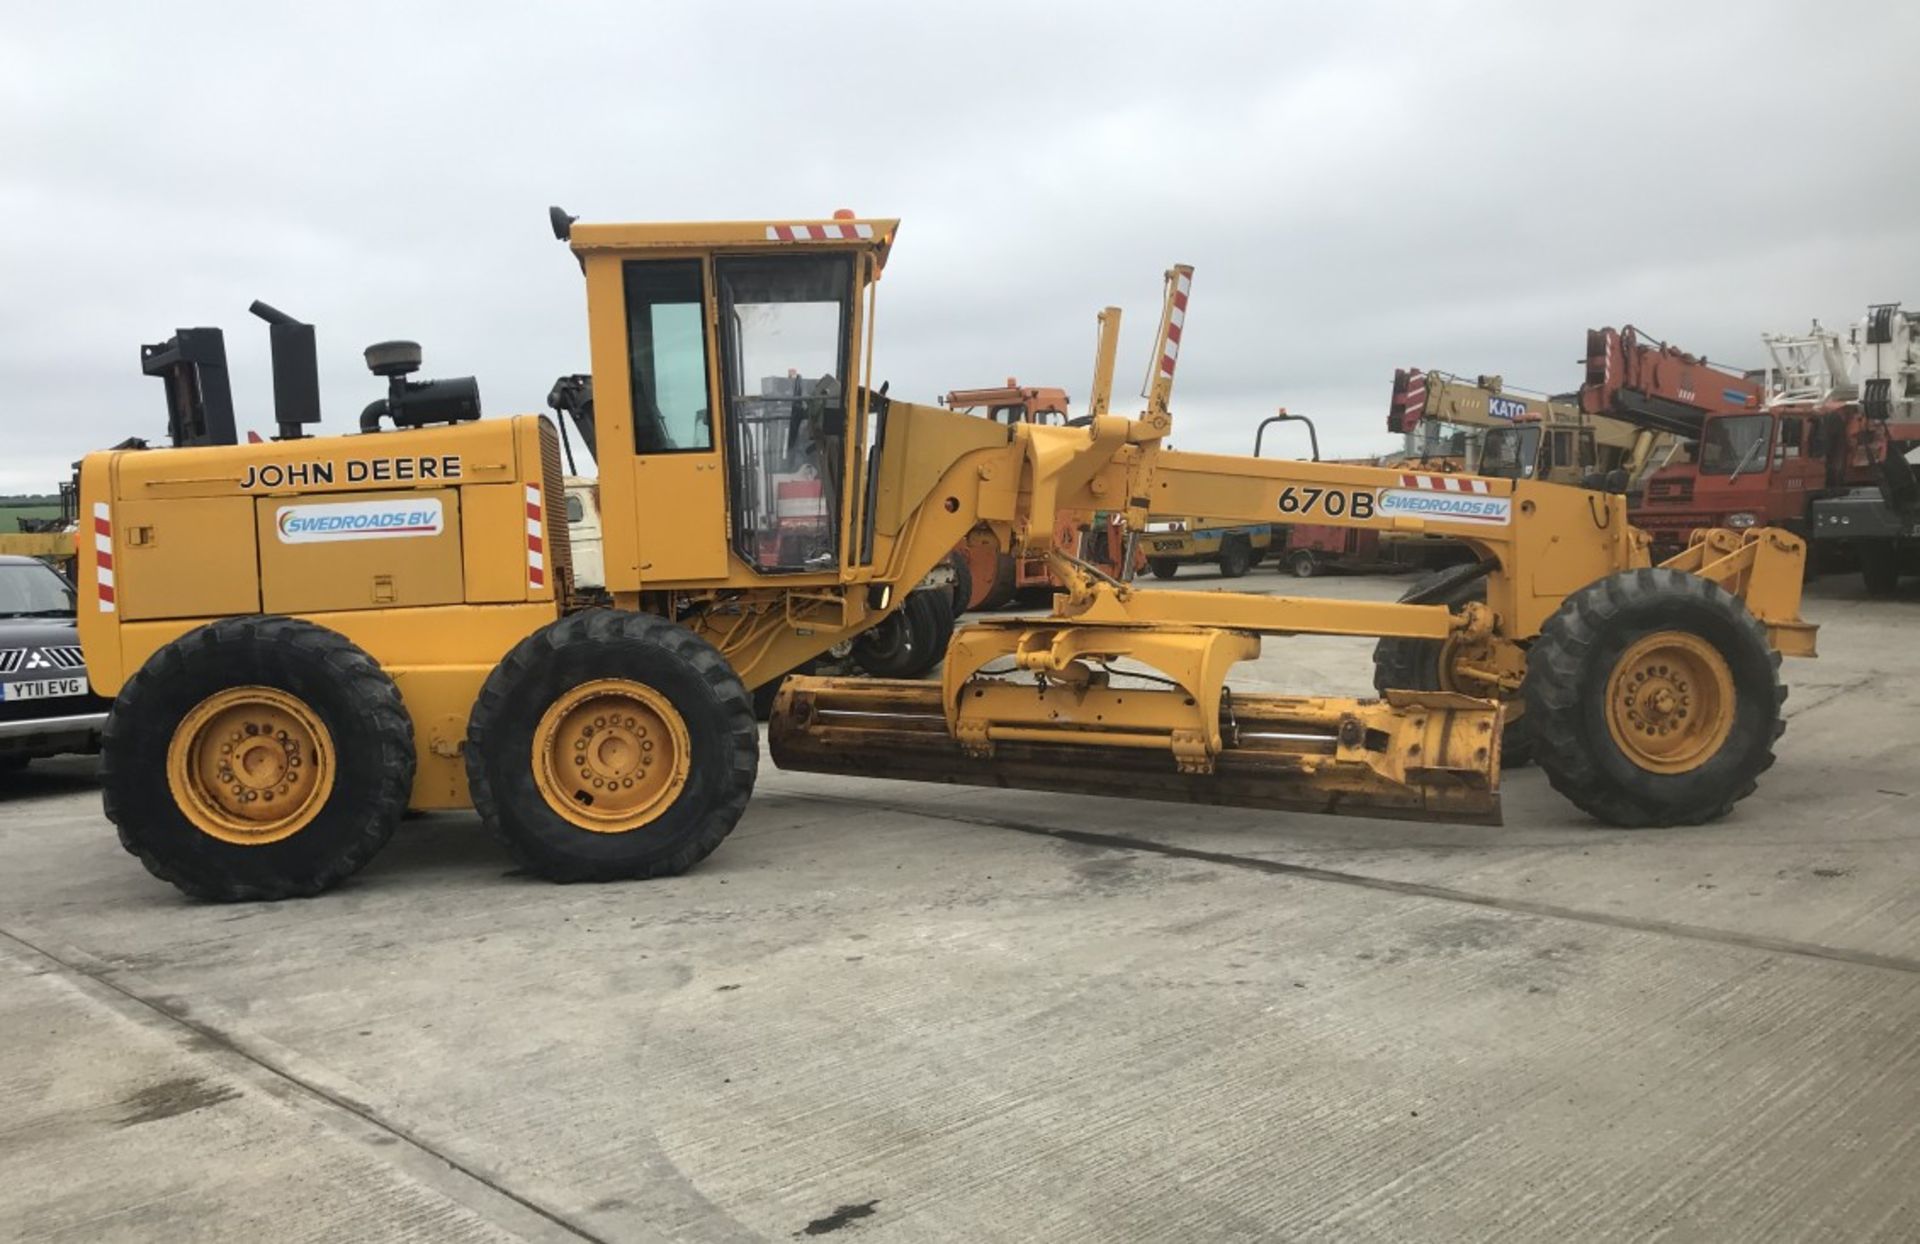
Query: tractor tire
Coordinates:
[1163,567]
[1303,564]
[908,642]
[1654,699]
[1236,557]
[1414,664]
[962,582]
[943,618]
[297,711]
[1880,569]
[532,752]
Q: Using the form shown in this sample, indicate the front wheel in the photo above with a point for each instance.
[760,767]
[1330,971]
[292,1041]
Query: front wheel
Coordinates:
[609,745]
[1401,664]
[1163,567]
[1654,699]
[1303,564]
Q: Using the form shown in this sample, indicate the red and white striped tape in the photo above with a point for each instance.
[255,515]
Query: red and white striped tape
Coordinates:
[1445,483]
[103,555]
[1416,397]
[836,232]
[536,539]
[1176,321]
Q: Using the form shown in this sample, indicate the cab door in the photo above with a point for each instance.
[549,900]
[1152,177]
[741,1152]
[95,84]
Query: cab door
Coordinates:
[663,487]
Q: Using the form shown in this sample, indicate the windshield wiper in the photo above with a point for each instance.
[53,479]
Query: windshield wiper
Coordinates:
[38,613]
[1742,464]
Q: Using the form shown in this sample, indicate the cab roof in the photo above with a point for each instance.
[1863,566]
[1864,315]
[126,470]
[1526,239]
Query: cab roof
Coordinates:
[873,234]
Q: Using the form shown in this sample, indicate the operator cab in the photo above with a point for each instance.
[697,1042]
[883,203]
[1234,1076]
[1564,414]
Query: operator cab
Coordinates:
[730,387]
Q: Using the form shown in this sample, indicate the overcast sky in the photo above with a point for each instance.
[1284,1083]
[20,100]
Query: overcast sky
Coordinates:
[1457,186]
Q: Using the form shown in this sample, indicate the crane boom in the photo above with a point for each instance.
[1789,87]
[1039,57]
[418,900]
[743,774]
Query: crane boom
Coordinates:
[1651,384]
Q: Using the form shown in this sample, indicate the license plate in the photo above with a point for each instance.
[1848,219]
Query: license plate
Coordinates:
[1166,546]
[43,688]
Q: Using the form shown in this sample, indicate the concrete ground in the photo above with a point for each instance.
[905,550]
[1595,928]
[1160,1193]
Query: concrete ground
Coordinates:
[886,1012]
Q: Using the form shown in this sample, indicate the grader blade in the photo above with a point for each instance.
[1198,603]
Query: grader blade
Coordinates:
[1423,756]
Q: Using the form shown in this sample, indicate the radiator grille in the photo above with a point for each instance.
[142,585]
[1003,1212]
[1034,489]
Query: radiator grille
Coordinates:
[553,483]
[51,658]
[1677,490]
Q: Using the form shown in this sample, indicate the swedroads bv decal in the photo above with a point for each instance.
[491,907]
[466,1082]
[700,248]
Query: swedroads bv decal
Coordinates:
[359,520]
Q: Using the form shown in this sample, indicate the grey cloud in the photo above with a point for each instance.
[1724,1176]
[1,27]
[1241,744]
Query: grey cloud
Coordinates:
[1461,186]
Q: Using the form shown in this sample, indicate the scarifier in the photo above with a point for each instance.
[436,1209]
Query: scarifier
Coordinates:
[311,635]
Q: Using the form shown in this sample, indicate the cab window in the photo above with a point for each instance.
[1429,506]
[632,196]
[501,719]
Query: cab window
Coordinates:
[667,355]
[785,328]
[1735,444]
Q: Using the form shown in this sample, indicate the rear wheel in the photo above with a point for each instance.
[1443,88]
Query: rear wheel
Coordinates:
[1236,557]
[608,746]
[257,758]
[1303,564]
[1427,664]
[1163,567]
[1654,699]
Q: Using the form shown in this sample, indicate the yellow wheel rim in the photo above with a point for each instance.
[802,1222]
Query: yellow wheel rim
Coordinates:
[1670,702]
[611,755]
[251,765]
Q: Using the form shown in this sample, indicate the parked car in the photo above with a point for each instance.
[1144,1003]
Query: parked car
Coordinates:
[47,707]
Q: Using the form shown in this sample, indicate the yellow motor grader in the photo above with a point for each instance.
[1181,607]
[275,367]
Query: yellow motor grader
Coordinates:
[310,635]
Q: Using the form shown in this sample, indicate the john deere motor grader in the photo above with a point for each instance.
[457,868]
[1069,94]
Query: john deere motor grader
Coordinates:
[310,635]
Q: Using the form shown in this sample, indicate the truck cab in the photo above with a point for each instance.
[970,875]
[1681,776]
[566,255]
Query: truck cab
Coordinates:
[1750,469]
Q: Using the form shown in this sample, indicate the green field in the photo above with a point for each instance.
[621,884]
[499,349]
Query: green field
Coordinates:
[10,510]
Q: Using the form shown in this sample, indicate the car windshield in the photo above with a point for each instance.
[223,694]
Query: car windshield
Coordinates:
[33,591]
[1735,443]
